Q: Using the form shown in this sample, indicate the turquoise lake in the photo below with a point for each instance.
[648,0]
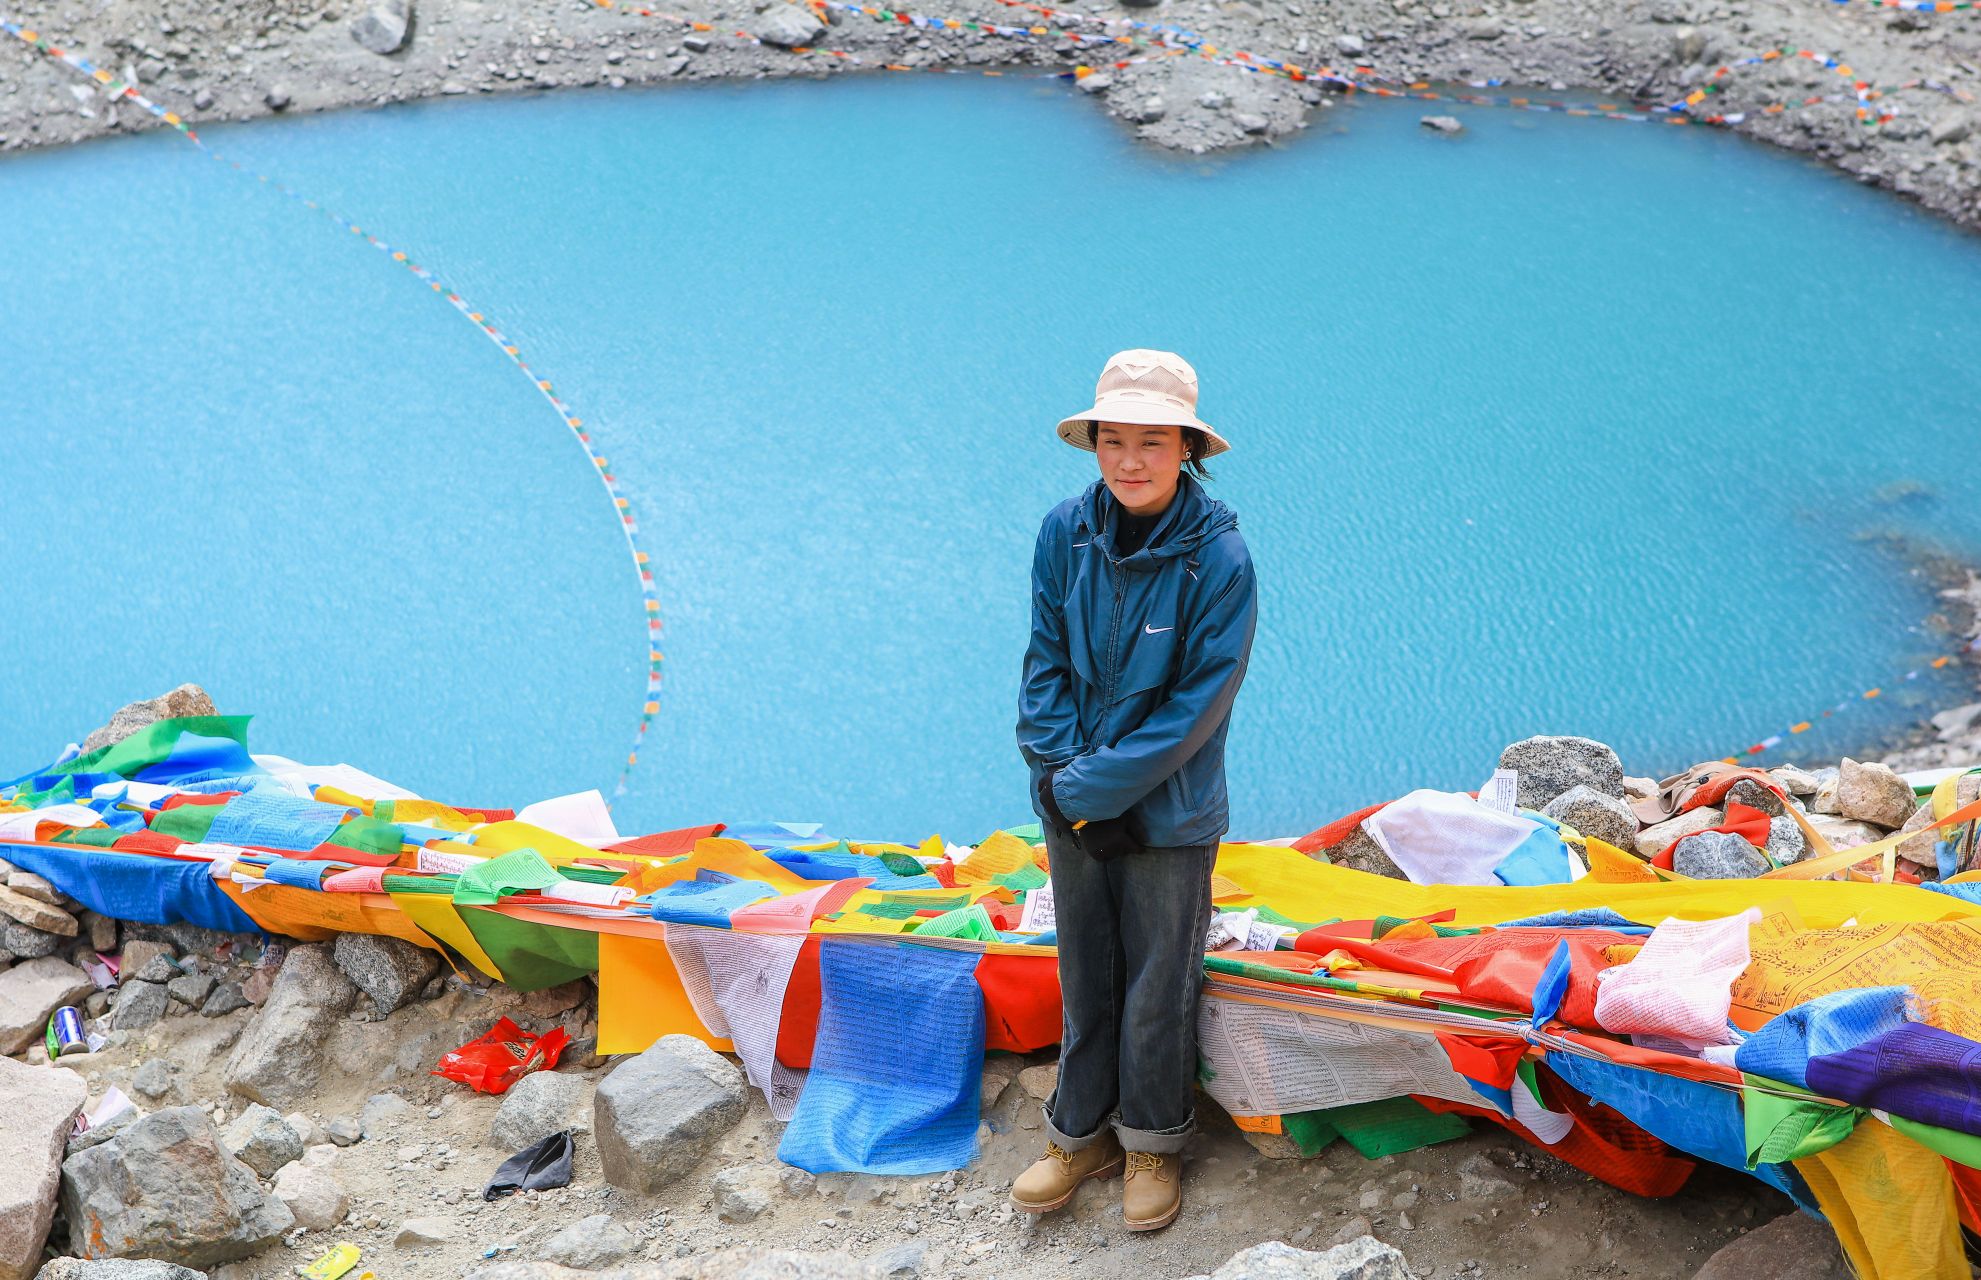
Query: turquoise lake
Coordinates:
[1560,426]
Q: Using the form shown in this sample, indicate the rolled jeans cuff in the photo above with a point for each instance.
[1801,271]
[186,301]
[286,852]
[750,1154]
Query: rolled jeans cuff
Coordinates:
[1157,1142]
[1068,1142]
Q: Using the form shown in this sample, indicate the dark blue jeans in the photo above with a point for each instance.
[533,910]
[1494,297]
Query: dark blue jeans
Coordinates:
[1131,962]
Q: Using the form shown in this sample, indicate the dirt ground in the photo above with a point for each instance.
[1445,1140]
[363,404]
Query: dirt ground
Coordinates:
[1485,1204]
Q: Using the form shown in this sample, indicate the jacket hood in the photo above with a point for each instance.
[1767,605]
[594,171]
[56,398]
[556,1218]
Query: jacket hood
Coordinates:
[1192,519]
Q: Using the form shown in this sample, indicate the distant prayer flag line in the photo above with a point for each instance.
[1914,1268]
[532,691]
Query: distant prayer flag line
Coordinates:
[118,89]
[1772,741]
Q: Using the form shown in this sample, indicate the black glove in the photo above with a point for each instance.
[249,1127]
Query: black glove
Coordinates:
[1099,839]
[1106,838]
[1049,804]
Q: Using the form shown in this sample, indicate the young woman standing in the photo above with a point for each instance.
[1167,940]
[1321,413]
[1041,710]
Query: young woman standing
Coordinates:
[1143,607]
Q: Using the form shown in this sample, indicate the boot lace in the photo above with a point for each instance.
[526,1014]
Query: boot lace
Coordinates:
[1056,1152]
[1145,1162]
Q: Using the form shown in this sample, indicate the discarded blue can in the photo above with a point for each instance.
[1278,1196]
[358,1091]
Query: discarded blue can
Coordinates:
[65,1032]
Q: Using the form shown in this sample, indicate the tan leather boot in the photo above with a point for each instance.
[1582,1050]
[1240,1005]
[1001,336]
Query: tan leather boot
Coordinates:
[1055,1176]
[1153,1190]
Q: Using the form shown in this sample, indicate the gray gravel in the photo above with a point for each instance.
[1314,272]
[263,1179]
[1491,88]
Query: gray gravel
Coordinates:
[227,62]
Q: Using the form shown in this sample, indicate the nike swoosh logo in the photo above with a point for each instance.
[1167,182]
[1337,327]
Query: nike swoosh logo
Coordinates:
[1155,631]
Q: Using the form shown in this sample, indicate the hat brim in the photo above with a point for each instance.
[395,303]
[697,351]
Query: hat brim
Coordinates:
[1078,432]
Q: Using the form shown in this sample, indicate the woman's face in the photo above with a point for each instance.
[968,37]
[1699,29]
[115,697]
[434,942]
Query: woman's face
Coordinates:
[1140,464]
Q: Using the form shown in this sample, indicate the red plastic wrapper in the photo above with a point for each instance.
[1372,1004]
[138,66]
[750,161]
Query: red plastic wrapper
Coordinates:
[491,1063]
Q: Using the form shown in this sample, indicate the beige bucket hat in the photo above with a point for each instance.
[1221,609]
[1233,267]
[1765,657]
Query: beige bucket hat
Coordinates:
[1146,389]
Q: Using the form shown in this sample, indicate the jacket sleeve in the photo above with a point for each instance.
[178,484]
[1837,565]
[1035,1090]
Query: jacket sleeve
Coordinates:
[1106,782]
[1048,723]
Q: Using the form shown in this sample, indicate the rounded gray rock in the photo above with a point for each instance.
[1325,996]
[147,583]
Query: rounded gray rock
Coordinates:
[139,1005]
[1786,842]
[742,1192]
[153,1078]
[262,1140]
[313,1195]
[1358,851]
[1548,766]
[787,26]
[538,1105]
[226,998]
[191,989]
[658,1113]
[1592,813]
[1754,796]
[383,27]
[1717,855]
[26,943]
[590,1243]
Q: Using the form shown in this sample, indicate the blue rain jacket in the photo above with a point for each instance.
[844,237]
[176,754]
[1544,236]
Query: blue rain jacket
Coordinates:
[1134,662]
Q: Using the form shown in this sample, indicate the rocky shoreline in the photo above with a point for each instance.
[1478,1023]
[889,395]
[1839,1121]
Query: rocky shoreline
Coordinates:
[210,62]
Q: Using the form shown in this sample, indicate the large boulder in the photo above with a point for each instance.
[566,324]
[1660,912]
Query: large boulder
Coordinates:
[788,26]
[1873,793]
[658,1114]
[391,971]
[30,992]
[1549,766]
[383,27]
[1363,1258]
[40,1104]
[186,700]
[1794,1246]
[280,1058]
[165,1188]
[538,1105]
[1593,813]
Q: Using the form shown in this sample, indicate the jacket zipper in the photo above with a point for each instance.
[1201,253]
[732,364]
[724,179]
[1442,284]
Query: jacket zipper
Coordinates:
[1113,644]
